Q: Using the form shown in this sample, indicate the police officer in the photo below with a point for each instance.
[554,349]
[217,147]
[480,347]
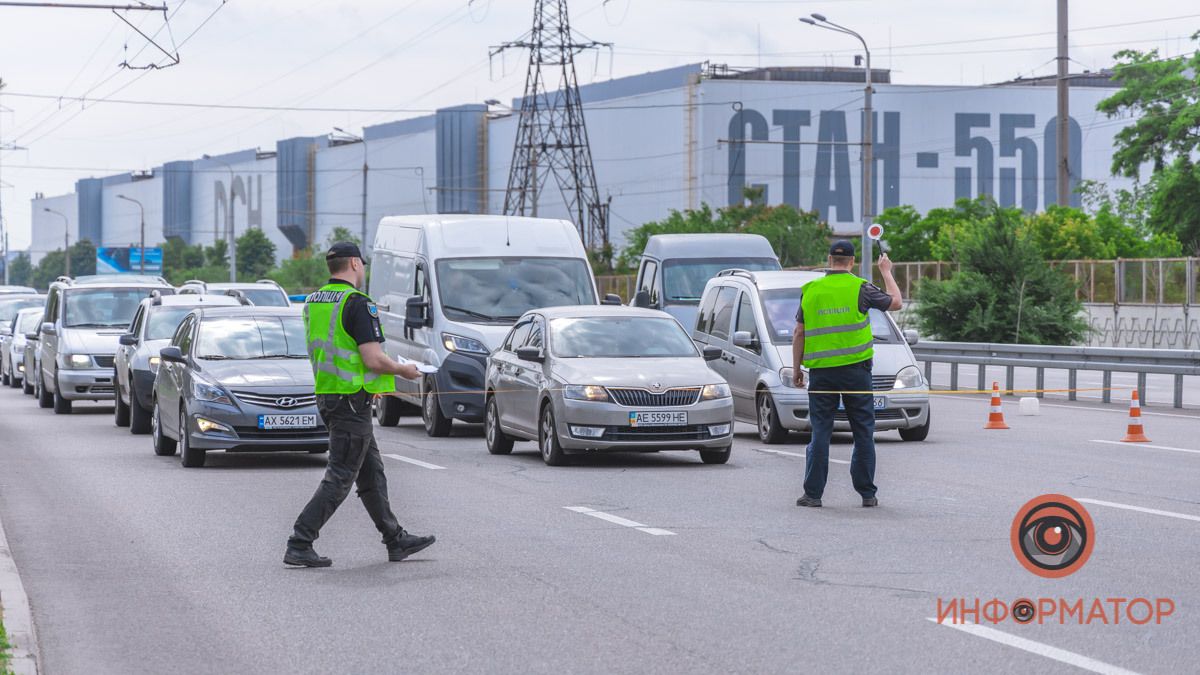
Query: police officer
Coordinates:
[345,347]
[833,339]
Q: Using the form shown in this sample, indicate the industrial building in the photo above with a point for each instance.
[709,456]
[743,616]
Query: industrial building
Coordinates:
[670,139]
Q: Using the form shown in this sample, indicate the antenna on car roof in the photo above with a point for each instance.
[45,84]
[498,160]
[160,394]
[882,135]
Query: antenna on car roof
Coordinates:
[506,235]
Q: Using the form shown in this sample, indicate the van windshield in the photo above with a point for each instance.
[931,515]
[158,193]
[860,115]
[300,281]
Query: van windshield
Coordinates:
[500,290]
[684,280]
[101,307]
[780,305]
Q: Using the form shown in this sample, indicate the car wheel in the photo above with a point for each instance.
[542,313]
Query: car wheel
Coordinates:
[163,446]
[62,406]
[918,433]
[770,431]
[552,452]
[139,417]
[7,380]
[188,456]
[44,397]
[27,386]
[120,408]
[388,410]
[436,424]
[716,456]
[498,443]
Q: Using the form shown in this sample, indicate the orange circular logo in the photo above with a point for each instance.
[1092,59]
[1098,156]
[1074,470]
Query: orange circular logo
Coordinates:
[1053,536]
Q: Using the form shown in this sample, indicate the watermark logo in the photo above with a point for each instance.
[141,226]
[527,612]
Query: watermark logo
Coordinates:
[1053,536]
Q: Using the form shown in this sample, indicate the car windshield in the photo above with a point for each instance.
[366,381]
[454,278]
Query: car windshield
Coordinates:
[164,320]
[684,280]
[249,337]
[779,306]
[28,322]
[500,290]
[101,307]
[10,306]
[265,297]
[619,337]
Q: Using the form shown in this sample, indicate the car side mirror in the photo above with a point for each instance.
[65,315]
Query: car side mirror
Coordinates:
[49,329]
[530,354]
[171,354]
[128,340]
[416,313]
[713,353]
[611,299]
[31,336]
[911,336]
[642,299]
[744,339]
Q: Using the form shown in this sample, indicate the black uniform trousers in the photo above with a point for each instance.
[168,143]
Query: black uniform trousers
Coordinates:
[860,412]
[354,459]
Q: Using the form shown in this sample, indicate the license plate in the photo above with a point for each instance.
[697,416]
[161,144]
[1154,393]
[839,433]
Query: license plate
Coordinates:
[658,419]
[287,421]
[880,403]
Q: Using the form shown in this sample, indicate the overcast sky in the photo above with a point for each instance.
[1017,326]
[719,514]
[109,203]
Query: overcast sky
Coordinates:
[424,54]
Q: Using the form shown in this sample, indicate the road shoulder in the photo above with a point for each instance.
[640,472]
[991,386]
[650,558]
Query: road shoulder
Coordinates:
[18,618]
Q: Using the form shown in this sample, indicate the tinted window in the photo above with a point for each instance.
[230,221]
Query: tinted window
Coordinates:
[10,306]
[101,307]
[779,307]
[649,279]
[745,316]
[502,289]
[28,322]
[270,337]
[704,317]
[266,297]
[517,337]
[535,335]
[619,337]
[723,312]
[164,321]
[183,335]
[683,280]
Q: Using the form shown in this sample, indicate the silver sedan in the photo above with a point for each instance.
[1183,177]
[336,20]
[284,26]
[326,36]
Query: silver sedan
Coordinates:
[601,378]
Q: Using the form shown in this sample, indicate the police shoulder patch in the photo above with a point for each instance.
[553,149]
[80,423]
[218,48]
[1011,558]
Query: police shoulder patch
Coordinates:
[372,310]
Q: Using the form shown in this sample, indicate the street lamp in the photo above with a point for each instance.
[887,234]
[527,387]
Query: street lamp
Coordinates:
[142,219]
[868,132]
[363,140]
[66,238]
[228,220]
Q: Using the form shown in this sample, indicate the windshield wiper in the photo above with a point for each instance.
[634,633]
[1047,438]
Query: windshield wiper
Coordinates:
[470,312]
[278,356]
[216,357]
[96,325]
[687,298]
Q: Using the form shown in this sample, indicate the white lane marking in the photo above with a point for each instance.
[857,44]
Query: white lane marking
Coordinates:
[1060,655]
[1141,509]
[418,462]
[618,520]
[796,454]
[1147,445]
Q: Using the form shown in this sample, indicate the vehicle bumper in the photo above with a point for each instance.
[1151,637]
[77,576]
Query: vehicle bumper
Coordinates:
[88,384]
[460,386]
[247,437]
[903,411]
[619,435]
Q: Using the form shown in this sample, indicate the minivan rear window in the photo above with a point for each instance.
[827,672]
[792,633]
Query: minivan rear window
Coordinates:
[780,305]
[500,290]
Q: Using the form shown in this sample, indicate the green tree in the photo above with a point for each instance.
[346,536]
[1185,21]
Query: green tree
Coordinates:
[340,233]
[21,271]
[217,255]
[50,267]
[83,258]
[255,255]
[1004,292]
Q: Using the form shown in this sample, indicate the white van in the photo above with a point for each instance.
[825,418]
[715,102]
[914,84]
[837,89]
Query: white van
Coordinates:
[449,288]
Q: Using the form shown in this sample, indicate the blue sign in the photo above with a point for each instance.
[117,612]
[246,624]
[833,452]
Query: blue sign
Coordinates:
[128,260]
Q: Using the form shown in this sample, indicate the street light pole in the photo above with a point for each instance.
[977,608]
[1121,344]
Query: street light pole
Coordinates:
[868,138]
[232,240]
[142,219]
[66,238]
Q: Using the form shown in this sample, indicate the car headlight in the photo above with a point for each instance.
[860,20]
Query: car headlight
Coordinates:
[154,361]
[909,377]
[788,377]
[458,343]
[714,391]
[77,361]
[205,391]
[585,392]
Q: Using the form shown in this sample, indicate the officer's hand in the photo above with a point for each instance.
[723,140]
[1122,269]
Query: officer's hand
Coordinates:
[408,371]
[885,264]
[798,379]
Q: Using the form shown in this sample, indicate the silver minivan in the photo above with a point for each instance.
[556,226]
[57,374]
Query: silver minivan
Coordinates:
[750,316]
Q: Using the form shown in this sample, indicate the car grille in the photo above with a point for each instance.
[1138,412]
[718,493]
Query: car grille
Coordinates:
[692,432]
[642,398]
[104,360]
[894,414]
[284,401]
[255,434]
[882,382]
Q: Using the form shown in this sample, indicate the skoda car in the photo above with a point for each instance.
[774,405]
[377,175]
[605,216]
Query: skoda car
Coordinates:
[592,378]
[12,347]
[750,316]
[236,379]
[9,306]
[137,358]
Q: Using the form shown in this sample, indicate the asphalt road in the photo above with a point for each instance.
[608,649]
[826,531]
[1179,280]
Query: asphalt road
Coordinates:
[136,565]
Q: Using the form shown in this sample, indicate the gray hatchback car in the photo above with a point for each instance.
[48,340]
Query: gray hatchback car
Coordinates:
[236,379]
[596,378]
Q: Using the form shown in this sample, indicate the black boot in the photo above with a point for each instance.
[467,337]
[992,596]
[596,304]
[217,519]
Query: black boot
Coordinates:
[305,557]
[407,544]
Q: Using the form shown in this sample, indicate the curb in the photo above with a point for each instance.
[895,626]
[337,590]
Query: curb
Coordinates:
[18,619]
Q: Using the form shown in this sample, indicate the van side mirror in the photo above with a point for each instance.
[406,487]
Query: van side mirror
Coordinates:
[171,354]
[416,313]
[49,329]
[530,354]
[911,336]
[744,339]
[611,299]
[713,353]
[642,299]
[128,340]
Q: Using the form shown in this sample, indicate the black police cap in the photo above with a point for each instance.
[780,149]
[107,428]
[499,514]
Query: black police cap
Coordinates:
[343,249]
[842,247]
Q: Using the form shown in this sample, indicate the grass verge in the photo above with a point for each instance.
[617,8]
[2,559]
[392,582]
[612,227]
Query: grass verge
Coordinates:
[4,647]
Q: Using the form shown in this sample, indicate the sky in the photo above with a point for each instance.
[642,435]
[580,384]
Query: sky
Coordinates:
[418,55]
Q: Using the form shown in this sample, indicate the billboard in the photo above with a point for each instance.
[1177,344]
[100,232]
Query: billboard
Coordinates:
[128,259]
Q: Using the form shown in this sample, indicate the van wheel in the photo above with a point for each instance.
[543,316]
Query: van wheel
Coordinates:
[44,397]
[918,433]
[188,456]
[389,410]
[163,446]
[770,431]
[716,456]
[498,443]
[139,417]
[62,406]
[436,424]
[552,452]
[120,409]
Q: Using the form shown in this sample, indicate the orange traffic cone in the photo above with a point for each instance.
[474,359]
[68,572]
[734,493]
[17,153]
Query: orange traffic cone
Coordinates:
[996,416]
[1135,434]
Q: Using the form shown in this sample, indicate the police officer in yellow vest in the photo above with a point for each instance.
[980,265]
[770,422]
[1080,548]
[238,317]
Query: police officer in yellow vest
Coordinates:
[350,366]
[833,339]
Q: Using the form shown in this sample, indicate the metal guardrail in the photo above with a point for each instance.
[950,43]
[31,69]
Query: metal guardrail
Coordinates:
[1176,362]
